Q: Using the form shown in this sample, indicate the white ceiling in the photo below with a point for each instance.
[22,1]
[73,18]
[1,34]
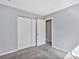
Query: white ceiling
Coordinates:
[44,7]
[40,7]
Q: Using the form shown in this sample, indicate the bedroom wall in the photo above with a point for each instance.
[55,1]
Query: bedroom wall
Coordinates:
[8,18]
[66,28]
[8,27]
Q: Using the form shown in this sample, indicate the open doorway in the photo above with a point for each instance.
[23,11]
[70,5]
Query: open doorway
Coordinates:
[49,32]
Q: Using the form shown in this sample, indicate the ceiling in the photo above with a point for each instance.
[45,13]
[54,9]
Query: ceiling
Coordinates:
[44,7]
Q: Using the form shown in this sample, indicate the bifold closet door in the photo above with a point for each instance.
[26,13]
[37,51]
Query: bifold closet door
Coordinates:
[33,32]
[24,34]
[41,32]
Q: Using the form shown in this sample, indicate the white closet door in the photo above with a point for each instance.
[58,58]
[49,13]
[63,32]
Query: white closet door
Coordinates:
[33,32]
[41,32]
[24,32]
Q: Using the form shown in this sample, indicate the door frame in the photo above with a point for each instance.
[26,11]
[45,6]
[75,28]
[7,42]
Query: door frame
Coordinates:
[50,31]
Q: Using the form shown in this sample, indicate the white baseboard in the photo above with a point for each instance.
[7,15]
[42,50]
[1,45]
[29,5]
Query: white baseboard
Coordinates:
[8,52]
[61,49]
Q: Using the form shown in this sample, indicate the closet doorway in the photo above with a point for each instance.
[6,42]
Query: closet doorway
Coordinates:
[26,32]
[49,32]
[30,32]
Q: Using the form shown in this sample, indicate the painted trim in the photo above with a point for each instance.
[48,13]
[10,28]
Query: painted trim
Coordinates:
[61,49]
[12,51]
[50,29]
[8,52]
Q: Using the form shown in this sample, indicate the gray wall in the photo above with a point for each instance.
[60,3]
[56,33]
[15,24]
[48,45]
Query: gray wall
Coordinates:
[8,27]
[66,28]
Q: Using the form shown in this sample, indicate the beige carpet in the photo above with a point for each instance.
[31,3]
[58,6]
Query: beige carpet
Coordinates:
[41,52]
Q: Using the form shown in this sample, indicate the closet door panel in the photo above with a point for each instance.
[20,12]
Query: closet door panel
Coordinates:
[33,32]
[24,32]
[41,32]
